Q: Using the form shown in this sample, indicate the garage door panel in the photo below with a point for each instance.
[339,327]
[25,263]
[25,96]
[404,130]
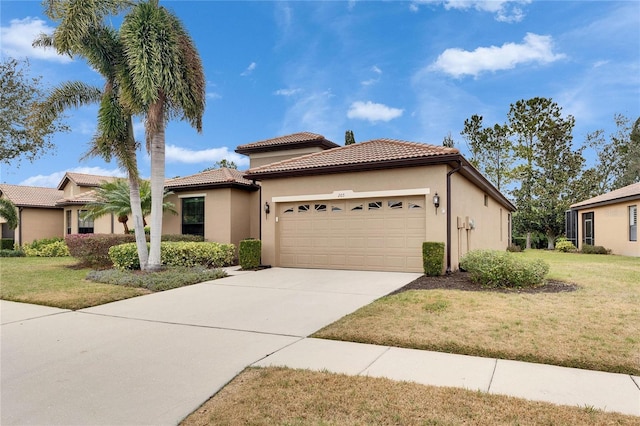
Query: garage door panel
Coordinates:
[380,234]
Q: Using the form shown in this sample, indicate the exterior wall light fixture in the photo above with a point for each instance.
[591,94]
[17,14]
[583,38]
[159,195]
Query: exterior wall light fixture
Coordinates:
[436,202]
[266,207]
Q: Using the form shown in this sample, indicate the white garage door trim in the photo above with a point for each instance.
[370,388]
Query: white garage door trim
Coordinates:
[348,194]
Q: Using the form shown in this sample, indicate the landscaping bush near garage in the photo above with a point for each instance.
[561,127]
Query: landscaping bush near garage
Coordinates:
[46,247]
[157,281]
[6,243]
[249,253]
[503,269]
[433,258]
[187,254]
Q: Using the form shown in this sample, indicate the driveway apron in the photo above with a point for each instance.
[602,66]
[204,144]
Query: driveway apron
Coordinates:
[154,359]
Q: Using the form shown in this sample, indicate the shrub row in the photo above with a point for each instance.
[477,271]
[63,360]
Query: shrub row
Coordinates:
[503,269]
[46,247]
[249,253]
[589,249]
[93,249]
[12,253]
[6,243]
[187,254]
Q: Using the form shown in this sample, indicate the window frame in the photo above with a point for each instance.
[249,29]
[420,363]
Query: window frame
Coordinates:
[192,227]
[633,222]
[85,226]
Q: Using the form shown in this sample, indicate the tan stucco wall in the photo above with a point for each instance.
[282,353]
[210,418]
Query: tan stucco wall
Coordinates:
[467,200]
[490,222]
[262,158]
[228,214]
[37,223]
[611,228]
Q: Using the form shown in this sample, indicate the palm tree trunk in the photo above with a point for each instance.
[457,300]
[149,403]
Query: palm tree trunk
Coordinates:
[134,200]
[156,113]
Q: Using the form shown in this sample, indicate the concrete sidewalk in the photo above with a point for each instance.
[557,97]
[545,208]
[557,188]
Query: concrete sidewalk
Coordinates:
[566,386]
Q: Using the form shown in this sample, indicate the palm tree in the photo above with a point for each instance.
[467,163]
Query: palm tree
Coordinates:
[164,79]
[81,33]
[114,198]
[9,212]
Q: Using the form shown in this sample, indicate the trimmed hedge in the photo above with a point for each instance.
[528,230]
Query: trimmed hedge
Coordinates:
[93,249]
[433,258]
[250,252]
[11,253]
[187,254]
[46,247]
[7,243]
[494,268]
[589,249]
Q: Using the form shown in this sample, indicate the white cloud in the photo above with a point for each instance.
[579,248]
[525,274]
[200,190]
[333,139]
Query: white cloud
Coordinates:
[287,92]
[312,112]
[374,80]
[213,95]
[376,69]
[535,48]
[176,154]
[53,180]
[373,112]
[18,36]
[504,10]
[252,66]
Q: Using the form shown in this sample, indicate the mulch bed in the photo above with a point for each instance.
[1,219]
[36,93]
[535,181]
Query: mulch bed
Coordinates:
[462,281]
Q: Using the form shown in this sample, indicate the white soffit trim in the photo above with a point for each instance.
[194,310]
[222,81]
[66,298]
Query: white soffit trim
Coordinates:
[348,194]
[191,195]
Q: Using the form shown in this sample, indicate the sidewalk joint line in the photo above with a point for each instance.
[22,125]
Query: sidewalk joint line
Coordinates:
[634,382]
[38,317]
[190,325]
[277,350]
[372,362]
[493,373]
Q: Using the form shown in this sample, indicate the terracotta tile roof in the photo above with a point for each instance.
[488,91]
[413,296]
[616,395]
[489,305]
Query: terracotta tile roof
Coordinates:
[376,151]
[217,177]
[31,196]
[629,192]
[82,179]
[295,140]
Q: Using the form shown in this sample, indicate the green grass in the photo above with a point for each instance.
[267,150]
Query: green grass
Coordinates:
[56,282]
[595,327]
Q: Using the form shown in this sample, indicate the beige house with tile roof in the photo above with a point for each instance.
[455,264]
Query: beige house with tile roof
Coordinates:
[609,220]
[371,205]
[221,205]
[38,215]
[315,204]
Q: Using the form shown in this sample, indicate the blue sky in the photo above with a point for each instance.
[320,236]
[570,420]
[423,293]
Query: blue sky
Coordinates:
[410,70]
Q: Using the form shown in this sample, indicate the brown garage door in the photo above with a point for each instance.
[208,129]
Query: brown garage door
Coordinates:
[380,234]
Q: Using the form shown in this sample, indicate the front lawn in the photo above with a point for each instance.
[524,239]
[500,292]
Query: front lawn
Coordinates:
[296,397]
[594,327]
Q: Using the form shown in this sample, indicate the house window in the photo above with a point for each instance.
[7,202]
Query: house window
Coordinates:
[335,208]
[193,216]
[357,207]
[633,223]
[414,206]
[68,220]
[85,226]
[588,233]
[289,210]
[320,207]
[375,205]
[393,204]
[303,208]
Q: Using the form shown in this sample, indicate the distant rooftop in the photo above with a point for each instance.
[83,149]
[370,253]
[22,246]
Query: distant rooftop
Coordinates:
[217,177]
[31,196]
[629,192]
[82,179]
[292,141]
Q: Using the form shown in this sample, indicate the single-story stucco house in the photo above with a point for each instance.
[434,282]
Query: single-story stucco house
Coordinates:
[316,204]
[609,220]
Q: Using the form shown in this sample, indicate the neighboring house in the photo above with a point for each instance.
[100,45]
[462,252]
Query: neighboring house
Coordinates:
[371,205]
[609,220]
[77,190]
[38,215]
[221,205]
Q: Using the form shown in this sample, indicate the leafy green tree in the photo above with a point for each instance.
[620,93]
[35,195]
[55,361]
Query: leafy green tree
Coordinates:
[491,150]
[547,166]
[113,198]
[349,138]
[9,212]
[165,79]
[448,141]
[81,32]
[22,132]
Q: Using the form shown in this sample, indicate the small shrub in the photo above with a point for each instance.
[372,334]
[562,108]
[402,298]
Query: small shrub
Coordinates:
[433,258]
[157,281]
[6,243]
[589,249]
[46,247]
[11,253]
[565,246]
[182,237]
[187,254]
[93,249]
[493,268]
[514,248]
[249,254]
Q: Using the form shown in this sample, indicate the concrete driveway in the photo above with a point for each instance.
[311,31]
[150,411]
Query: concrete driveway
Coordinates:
[154,359]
